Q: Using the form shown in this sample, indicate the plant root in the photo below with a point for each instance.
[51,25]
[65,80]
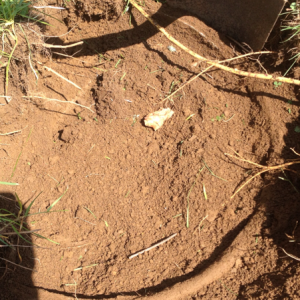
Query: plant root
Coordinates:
[264,169]
[213,63]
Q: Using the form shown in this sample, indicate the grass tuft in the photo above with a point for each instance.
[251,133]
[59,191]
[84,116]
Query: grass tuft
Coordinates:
[13,10]
[15,224]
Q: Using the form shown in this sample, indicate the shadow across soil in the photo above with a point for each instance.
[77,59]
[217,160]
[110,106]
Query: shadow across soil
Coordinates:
[168,283]
[139,34]
[14,279]
[280,201]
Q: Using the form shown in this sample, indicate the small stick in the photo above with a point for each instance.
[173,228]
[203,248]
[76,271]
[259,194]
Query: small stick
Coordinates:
[245,160]
[20,232]
[17,264]
[50,99]
[214,63]
[291,255]
[60,46]
[7,98]
[205,70]
[188,82]
[265,169]
[152,247]
[64,78]
[54,7]
[228,119]
[85,221]
[295,151]
[10,245]
[9,133]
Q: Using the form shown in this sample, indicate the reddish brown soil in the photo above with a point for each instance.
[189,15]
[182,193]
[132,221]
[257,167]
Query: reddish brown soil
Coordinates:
[136,181]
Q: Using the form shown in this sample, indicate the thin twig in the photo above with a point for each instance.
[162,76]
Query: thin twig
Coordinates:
[50,99]
[17,264]
[152,247]
[245,160]
[85,221]
[60,46]
[57,74]
[211,172]
[295,151]
[53,7]
[9,133]
[200,223]
[186,83]
[7,98]
[228,119]
[21,232]
[208,68]
[265,169]
[33,246]
[214,63]
[291,255]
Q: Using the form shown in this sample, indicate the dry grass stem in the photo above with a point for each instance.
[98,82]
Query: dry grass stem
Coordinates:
[85,221]
[61,46]
[7,98]
[265,169]
[291,255]
[17,264]
[62,77]
[295,152]
[152,247]
[199,226]
[53,7]
[61,101]
[10,133]
[214,63]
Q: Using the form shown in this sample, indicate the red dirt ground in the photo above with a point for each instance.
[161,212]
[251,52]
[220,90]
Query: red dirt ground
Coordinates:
[136,181]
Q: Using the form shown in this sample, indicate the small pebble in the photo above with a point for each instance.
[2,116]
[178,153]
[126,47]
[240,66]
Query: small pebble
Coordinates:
[171,48]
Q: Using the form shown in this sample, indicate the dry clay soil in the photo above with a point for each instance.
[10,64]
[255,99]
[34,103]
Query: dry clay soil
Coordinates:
[126,187]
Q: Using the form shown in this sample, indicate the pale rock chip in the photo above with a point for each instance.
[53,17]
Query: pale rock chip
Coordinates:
[157,119]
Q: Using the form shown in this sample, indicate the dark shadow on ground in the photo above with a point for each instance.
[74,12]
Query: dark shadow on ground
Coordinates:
[13,277]
[126,38]
[281,202]
[218,251]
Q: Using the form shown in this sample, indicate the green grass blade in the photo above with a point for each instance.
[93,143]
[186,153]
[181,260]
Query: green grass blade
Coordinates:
[2,241]
[39,21]
[56,201]
[8,63]
[42,237]
[8,183]
[90,212]
[17,232]
[46,212]
[29,207]
[20,205]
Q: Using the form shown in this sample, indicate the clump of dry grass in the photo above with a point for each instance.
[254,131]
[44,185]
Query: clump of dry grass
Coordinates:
[291,25]
[20,39]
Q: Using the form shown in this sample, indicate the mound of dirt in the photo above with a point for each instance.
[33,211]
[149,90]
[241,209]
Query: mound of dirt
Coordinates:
[126,187]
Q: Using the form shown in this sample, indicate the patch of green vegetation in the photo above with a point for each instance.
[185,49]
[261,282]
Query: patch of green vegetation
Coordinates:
[297,129]
[15,224]
[293,26]
[218,118]
[277,84]
[13,12]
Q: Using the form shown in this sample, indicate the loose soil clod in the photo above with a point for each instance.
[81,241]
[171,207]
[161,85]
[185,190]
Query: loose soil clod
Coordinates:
[129,185]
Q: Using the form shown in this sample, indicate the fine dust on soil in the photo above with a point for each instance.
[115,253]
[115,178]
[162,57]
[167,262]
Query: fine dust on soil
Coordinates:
[135,181]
